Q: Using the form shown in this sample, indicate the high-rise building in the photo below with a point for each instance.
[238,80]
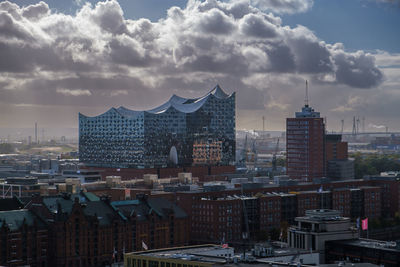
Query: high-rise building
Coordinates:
[164,136]
[305,149]
[338,165]
[335,148]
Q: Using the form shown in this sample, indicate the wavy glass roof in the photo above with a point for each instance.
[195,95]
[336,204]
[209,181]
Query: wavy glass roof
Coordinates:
[185,105]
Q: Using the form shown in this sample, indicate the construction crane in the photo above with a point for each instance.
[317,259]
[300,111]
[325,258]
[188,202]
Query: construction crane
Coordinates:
[341,131]
[274,157]
[354,131]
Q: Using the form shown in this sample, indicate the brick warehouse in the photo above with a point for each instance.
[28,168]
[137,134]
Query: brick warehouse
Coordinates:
[83,229]
[354,198]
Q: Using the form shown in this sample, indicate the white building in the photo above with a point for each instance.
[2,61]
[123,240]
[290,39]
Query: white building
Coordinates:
[317,227]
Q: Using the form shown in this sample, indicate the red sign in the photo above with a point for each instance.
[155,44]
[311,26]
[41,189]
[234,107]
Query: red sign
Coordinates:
[364,224]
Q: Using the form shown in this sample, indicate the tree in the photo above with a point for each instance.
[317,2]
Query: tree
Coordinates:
[374,164]
[6,148]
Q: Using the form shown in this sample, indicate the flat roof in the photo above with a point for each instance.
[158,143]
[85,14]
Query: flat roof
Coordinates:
[198,253]
[190,253]
[369,243]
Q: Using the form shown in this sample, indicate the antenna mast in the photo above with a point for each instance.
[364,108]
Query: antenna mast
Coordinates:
[306,99]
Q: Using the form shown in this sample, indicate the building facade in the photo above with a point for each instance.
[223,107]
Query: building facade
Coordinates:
[305,145]
[164,136]
[83,230]
[317,227]
[338,165]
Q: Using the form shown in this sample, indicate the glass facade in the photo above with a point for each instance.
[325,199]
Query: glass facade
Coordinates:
[168,135]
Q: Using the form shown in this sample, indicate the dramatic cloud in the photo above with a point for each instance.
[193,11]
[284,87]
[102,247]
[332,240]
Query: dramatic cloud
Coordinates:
[97,57]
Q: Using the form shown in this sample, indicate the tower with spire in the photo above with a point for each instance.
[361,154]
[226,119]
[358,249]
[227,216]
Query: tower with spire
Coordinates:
[305,148]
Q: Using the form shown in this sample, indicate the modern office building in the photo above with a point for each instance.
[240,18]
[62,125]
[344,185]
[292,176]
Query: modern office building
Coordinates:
[305,145]
[168,135]
[319,226]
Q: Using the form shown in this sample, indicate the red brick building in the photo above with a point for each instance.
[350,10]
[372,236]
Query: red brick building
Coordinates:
[305,147]
[341,198]
[335,148]
[23,239]
[86,231]
[215,220]
[372,202]
[307,200]
[155,221]
[270,212]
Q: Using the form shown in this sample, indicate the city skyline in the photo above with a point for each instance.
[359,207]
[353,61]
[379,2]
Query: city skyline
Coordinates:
[61,58]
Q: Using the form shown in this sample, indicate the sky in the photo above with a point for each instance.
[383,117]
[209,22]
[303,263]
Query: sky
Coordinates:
[58,58]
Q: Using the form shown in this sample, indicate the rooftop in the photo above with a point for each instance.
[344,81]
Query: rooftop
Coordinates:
[370,243]
[325,215]
[14,219]
[307,112]
[201,253]
[181,104]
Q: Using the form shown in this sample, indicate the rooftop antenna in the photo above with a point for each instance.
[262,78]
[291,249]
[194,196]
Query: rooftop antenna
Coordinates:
[306,99]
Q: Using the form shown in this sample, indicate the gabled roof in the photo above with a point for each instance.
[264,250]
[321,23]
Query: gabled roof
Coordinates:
[142,209]
[11,204]
[181,104]
[14,219]
[161,205]
[66,202]
[102,210]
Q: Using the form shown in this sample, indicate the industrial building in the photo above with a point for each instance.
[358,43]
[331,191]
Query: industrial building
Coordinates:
[181,132]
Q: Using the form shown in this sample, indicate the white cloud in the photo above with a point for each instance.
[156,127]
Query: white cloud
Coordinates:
[371,125]
[118,92]
[76,92]
[284,6]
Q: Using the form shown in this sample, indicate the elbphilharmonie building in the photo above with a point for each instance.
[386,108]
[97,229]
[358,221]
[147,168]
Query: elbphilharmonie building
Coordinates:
[181,132]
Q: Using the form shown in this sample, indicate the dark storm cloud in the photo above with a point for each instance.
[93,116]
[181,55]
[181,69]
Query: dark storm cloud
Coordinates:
[281,58]
[311,56]
[357,70]
[126,51]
